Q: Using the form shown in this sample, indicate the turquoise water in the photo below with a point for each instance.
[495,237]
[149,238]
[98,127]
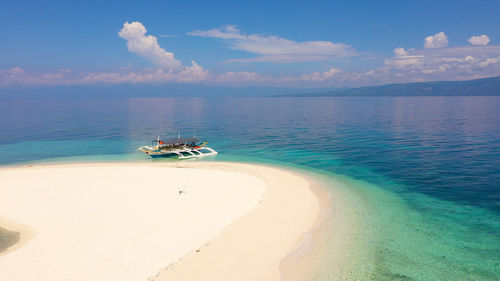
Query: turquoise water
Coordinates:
[423,173]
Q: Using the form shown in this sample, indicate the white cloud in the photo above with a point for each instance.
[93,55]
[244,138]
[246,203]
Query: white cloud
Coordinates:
[193,73]
[402,59]
[320,76]
[481,40]
[228,32]
[438,40]
[400,52]
[276,49]
[408,66]
[450,63]
[147,46]
[167,35]
[190,74]
[241,77]
[170,69]
[19,76]
[434,62]
[282,59]
[251,78]
[16,70]
[489,61]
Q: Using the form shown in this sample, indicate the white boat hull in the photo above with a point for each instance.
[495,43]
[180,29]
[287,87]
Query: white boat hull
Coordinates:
[187,153]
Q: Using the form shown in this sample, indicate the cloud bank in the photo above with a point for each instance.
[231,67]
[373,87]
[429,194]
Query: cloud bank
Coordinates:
[19,76]
[436,61]
[452,63]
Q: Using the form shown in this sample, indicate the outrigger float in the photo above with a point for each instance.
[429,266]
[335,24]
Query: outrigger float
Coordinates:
[179,148]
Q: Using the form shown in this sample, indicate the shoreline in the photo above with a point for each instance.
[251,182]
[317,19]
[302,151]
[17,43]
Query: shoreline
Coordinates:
[260,261]
[319,203]
[308,255]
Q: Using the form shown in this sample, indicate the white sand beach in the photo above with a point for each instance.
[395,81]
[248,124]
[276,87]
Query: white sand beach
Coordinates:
[152,221]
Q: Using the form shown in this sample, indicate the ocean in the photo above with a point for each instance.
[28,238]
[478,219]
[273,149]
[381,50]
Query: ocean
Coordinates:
[426,168]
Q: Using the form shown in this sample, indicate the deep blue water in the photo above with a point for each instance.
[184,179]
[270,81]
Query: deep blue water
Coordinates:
[438,158]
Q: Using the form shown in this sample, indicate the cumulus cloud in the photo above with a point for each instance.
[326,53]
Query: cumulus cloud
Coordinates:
[19,76]
[438,40]
[489,61]
[435,61]
[402,59]
[242,77]
[190,74]
[481,40]
[400,52]
[263,79]
[440,64]
[169,69]
[193,73]
[147,46]
[277,49]
[16,70]
[320,76]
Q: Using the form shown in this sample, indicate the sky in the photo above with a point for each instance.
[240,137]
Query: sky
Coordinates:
[303,44]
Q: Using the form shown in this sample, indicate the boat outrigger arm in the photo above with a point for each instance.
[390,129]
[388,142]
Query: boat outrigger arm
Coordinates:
[180,148]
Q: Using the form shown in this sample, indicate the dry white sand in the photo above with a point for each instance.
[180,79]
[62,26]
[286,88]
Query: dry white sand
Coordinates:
[129,222]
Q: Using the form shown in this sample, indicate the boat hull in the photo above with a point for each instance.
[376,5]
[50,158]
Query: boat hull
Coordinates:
[168,155]
[181,154]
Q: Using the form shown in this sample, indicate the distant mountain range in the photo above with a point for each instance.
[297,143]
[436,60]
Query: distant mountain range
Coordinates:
[478,87]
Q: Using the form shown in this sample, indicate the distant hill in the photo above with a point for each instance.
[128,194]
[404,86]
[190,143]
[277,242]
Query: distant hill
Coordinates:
[478,87]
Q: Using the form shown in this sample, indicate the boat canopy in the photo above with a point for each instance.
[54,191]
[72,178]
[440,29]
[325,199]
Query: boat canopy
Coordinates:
[178,141]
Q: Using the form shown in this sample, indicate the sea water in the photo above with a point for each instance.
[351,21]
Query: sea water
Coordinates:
[425,169]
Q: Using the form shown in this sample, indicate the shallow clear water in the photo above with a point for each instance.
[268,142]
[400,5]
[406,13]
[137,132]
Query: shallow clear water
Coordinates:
[427,169]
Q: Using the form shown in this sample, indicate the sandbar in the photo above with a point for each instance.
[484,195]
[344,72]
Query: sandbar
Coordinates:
[153,221]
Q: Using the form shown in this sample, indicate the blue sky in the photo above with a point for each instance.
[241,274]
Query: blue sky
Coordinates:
[236,43]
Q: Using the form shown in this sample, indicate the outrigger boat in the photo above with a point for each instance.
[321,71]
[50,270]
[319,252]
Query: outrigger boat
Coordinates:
[180,148]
